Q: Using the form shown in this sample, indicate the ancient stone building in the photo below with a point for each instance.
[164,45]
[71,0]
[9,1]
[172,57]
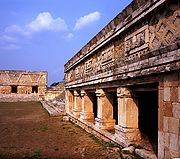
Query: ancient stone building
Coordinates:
[22,85]
[124,84]
[54,91]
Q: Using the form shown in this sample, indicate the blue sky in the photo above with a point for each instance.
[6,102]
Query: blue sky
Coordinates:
[42,35]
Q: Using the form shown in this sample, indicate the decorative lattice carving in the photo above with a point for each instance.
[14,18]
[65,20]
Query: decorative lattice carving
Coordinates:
[164,27]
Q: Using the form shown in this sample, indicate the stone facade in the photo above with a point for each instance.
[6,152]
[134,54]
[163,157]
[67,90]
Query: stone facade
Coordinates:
[54,91]
[22,85]
[125,82]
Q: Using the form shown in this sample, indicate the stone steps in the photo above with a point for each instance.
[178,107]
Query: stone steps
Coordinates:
[53,110]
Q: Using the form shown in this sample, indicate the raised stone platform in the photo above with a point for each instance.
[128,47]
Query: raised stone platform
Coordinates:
[54,109]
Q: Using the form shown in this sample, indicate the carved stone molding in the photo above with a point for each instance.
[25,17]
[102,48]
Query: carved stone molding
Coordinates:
[164,27]
[138,40]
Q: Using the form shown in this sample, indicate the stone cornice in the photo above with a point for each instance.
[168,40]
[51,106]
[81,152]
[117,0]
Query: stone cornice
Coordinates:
[115,29]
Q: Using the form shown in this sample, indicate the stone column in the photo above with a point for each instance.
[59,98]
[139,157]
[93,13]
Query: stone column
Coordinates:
[77,104]
[104,118]
[87,107]
[69,101]
[127,129]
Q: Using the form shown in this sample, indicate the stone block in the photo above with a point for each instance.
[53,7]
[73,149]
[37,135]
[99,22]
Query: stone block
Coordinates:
[169,80]
[76,113]
[161,147]
[128,150]
[104,124]
[174,141]
[87,116]
[176,110]
[168,109]
[167,153]
[145,154]
[174,154]
[165,124]
[174,94]
[160,120]
[167,94]
[65,118]
[179,94]
[173,125]
[166,139]
[127,135]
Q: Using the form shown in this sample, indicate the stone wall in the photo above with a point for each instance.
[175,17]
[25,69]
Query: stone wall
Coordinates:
[18,97]
[54,91]
[22,85]
[145,44]
[52,94]
[135,58]
[169,116]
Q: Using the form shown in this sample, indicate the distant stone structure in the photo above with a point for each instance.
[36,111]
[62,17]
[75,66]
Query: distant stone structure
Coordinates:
[22,85]
[54,91]
[124,84]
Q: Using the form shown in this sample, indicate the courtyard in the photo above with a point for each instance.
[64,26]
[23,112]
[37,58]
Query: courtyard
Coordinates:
[27,131]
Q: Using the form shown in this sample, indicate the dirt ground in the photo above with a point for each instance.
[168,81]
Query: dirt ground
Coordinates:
[27,131]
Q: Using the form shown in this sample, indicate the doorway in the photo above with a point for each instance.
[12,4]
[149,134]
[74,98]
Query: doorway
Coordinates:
[148,116]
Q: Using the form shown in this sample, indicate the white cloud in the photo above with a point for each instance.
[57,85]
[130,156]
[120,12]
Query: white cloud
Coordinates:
[86,20]
[16,29]
[70,36]
[7,38]
[45,21]
[8,43]
[10,47]
[13,34]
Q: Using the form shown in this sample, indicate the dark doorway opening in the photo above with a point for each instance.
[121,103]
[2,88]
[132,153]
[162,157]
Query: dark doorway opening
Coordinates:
[115,106]
[94,100]
[34,89]
[148,116]
[13,89]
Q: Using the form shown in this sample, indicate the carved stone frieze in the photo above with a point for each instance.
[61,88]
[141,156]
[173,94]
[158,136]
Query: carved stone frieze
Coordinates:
[119,50]
[164,27]
[88,66]
[133,45]
[107,54]
[137,41]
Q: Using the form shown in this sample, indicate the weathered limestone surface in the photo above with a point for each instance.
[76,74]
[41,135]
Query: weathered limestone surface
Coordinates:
[169,117]
[55,90]
[87,107]
[22,85]
[52,94]
[77,104]
[150,47]
[138,48]
[104,118]
[18,97]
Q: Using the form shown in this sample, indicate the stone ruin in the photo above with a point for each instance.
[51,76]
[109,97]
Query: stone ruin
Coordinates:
[54,101]
[124,84]
[16,86]
[22,85]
